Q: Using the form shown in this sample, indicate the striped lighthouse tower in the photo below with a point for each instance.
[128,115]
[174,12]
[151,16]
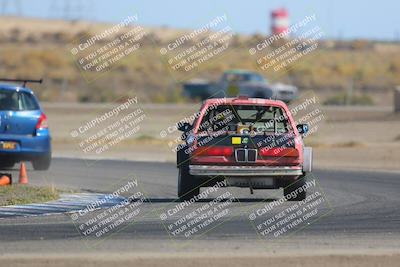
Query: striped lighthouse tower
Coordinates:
[279,21]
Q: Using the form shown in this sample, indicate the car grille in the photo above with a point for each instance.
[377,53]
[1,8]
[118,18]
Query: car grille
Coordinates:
[251,155]
[283,92]
[240,155]
[246,155]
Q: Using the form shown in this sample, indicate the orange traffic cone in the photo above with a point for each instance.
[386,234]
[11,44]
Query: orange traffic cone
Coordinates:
[23,177]
[5,179]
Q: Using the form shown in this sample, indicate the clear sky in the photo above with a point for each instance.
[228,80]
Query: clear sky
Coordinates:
[347,19]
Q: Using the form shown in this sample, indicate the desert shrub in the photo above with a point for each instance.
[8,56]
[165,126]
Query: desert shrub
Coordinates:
[341,99]
[84,98]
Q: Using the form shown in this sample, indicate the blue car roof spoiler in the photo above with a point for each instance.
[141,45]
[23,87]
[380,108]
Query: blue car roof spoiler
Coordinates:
[23,81]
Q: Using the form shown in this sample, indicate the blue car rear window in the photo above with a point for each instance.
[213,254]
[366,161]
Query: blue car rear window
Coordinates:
[17,101]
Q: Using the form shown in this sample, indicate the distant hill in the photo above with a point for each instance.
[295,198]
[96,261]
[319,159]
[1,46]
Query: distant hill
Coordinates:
[41,48]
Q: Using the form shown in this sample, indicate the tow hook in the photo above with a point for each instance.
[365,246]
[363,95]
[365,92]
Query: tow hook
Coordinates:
[251,187]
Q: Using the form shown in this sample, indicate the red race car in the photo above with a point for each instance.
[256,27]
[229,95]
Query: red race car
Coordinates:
[243,142]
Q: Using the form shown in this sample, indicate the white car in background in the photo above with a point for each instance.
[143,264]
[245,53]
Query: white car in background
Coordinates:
[240,82]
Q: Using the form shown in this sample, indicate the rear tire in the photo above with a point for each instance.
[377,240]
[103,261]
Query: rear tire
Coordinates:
[7,165]
[287,191]
[42,163]
[187,185]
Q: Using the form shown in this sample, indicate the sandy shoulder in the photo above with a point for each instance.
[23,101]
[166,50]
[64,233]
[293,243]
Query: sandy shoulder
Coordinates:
[386,259]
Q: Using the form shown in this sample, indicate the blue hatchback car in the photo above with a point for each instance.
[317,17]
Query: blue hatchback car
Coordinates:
[24,133]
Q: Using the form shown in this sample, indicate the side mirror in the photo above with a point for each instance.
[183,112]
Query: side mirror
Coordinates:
[302,128]
[184,126]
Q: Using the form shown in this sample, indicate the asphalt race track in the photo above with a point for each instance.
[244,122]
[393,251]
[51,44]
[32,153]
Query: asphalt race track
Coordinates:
[361,210]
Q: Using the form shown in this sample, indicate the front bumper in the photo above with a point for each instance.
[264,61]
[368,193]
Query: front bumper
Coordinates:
[214,170]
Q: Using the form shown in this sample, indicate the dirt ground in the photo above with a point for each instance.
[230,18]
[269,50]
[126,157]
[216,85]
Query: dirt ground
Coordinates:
[144,260]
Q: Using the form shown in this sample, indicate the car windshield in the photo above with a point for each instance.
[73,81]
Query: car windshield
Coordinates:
[243,77]
[245,119]
[17,101]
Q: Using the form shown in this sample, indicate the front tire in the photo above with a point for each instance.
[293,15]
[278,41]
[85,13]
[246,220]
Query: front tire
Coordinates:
[42,163]
[187,185]
[293,187]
